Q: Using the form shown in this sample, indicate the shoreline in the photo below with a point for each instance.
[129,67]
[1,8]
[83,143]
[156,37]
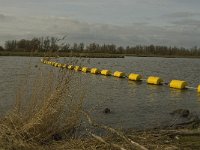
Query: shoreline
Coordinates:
[85,55]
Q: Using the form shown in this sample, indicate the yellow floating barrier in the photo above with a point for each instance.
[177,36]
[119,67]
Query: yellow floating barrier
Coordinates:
[59,65]
[178,84]
[95,71]
[134,77]
[56,64]
[77,68]
[154,80]
[64,65]
[198,89]
[106,72]
[85,69]
[119,74]
[70,67]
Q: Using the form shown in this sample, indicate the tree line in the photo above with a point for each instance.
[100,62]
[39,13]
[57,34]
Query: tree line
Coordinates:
[45,44]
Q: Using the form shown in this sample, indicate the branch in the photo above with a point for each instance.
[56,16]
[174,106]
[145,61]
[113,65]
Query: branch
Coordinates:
[103,141]
[114,131]
[182,132]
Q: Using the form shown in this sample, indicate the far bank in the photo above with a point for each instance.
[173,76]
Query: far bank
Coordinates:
[87,55]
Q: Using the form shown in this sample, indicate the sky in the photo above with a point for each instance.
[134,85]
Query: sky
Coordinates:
[120,22]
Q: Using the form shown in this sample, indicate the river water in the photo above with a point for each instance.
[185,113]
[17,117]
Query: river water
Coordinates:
[133,104]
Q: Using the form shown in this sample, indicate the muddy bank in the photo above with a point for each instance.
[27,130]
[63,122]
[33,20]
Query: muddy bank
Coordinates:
[184,133]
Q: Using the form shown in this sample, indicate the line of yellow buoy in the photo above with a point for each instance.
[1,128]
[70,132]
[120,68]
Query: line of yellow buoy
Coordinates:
[176,84]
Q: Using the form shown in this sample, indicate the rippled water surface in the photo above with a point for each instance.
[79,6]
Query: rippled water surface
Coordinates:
[133,104]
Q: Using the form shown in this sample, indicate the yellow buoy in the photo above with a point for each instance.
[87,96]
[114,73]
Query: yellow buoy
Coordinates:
[64,65]
[178,84]
[85,69]
[134,77]
[106,72]
[154,80]
[95,71]
[119,74]
[70,67]
[77,68]
[55,64]
[59,65]
[198,89]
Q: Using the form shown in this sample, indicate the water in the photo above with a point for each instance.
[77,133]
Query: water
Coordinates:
[133,104]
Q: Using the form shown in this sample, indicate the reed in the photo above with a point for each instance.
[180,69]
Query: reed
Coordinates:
[44,112]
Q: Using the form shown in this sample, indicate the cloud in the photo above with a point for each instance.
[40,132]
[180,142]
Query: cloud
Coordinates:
[195,23]
[2,16]
[78,31]
[5,18]
[183,14]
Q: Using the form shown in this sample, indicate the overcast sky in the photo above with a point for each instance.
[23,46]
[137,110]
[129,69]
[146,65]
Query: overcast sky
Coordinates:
[121,22]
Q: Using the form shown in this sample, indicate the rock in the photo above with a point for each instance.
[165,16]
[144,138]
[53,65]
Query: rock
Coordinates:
[181,112]
[106,111]
[184,119]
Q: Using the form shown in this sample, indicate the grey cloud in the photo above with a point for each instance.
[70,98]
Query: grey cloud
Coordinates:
[181,14]
[76,31]
[187,22]
[4,18]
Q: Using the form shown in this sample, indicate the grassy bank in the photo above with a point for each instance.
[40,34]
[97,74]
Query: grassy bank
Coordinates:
[61,54]
[163,56]
[87,55]
[152,140]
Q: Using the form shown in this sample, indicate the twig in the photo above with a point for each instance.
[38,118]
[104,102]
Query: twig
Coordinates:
[114,131]
[103,141]
[181,132]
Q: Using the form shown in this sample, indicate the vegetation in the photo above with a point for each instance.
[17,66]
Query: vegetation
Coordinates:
[1,48]
[54,44]
[44,112]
